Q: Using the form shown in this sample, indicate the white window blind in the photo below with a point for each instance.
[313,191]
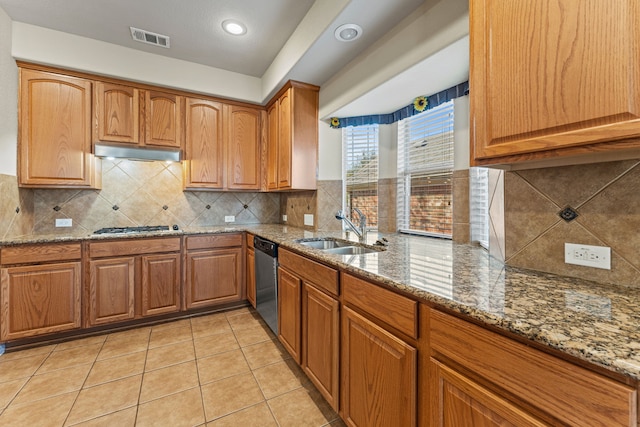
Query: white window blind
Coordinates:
[360,145]
[425,171]
[479,205]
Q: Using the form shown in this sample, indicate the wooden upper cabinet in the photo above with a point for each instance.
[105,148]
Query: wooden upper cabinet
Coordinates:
[163,119]
[54,148]
[118,113]
[553,78]
[292,152]
[244,148]
[203,165]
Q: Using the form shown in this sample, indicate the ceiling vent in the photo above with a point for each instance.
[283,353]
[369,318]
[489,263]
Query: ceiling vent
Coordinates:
[149,37]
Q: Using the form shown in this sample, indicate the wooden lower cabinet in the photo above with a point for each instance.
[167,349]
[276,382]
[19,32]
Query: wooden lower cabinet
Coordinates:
[461,402]
[111,290]
[321,341]
[379,375]
[160,284]
[214,277]
[289,313]
[40,299]
[251,277]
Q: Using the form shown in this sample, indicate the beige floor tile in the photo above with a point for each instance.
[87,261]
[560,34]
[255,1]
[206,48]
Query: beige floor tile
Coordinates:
[210,326]
[138,334]
[252,336]
[239,311]
[9,390]
[20,354]
[265,353]
[123,344]
[116,368]
[104,399]
[47,412]
[161,357]
[170,336]
[99,339]
[279,378]
[255,416]
[170,325]
[72,357]
[20,368]
[182,409]
[245,321]
[221,365]
[124,418]
[230,395]
[301,408]
[53,383]
[170,380]
[214,344]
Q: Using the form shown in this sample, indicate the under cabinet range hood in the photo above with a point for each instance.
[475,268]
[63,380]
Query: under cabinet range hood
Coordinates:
[133,153]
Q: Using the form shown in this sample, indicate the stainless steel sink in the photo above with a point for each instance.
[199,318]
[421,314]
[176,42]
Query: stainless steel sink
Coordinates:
[351,250]
[325,243]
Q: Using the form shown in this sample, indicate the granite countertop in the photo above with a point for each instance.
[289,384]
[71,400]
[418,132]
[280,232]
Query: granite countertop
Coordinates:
[591,321]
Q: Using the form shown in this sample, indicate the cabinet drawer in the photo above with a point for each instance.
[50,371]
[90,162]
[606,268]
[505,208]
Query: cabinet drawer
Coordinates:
[133,247]
[393,309]
[572,394]
[310,271]
[39,253]
[214,241]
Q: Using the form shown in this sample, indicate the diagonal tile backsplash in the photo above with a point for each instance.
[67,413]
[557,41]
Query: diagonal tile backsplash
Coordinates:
[147,193]
[606,198]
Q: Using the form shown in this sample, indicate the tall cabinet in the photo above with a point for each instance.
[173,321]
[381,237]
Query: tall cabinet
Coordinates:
[293,134]
[54,148]
[553,78]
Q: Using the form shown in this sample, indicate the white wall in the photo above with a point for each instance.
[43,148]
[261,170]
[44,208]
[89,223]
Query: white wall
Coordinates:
[329,152]
[461,133]
[8,100]
[388,151]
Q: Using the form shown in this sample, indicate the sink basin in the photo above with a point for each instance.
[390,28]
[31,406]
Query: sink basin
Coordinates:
[325,243]
[351,250]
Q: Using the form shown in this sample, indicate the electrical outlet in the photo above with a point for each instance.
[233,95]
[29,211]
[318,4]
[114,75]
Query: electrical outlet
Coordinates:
[284,218]
[64,222]
[229,218]
[308,219]
[587,255]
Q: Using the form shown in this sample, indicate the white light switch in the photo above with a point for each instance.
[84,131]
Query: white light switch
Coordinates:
[229,218]
[587,255]
[308,219]
[64,222]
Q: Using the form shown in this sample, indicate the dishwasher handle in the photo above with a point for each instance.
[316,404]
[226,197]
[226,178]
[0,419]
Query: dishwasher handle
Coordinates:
[268,247]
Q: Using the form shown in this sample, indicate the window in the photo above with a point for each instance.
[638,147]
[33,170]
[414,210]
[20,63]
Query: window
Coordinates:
[360,145]
[425,171]
[479,205]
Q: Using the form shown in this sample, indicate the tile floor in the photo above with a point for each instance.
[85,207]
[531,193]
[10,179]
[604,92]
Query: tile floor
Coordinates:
[224,369]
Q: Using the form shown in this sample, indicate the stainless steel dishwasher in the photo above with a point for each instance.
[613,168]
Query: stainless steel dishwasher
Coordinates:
[266,264]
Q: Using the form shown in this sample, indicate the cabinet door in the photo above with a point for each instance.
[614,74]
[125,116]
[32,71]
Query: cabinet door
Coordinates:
[378,375]
[549,75]
[55,131]
[39,299]
[244,148]
[320,341]
[111,290]
[118,112]
[160,284]
[213,277]
[203,163]
[251,277]
[163,119]
[460,402]
[289,293]
[285,135]
[272,146]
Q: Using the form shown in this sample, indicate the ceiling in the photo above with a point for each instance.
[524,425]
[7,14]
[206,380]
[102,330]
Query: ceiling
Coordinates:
[196,35]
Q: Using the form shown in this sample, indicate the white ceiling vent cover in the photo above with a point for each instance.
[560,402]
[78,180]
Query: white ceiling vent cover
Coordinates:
[149,37]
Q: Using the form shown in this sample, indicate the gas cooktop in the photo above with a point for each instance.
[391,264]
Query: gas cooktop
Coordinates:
[143,229]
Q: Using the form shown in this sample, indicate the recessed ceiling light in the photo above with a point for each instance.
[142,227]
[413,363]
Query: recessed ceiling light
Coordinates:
[234,27]
[348,32]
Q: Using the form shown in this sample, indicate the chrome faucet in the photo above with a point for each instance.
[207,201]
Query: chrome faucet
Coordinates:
[361,229]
